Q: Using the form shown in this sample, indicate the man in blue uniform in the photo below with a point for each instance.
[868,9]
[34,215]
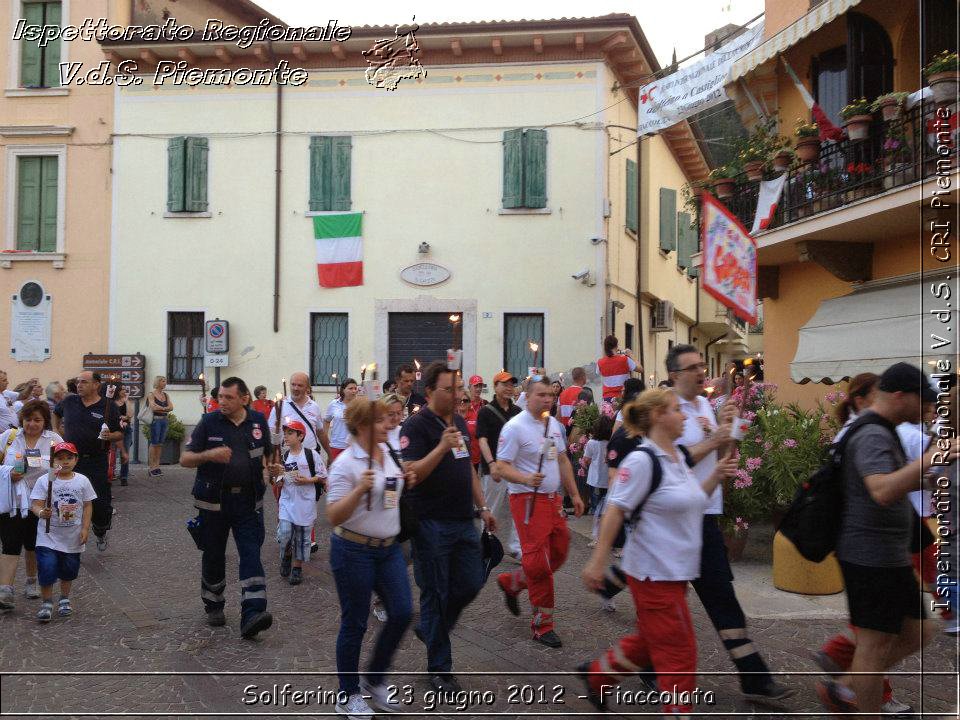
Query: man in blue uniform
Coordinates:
[229,448]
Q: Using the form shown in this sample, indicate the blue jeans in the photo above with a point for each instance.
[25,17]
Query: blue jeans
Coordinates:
[294,537]
[447,566]
[239,515]
[53,565]
[358,571]
[158,430]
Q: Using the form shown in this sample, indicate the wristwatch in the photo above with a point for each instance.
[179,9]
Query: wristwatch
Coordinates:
[482,510]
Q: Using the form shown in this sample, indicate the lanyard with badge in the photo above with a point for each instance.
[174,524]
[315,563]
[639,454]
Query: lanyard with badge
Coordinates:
[460,451]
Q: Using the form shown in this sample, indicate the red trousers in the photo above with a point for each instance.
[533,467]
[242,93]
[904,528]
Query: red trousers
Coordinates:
[664,639]
[544,543]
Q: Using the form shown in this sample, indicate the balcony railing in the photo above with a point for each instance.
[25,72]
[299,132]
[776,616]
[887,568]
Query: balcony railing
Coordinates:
[850,170]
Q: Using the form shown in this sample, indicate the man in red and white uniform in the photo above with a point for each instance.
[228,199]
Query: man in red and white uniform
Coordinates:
[615,368]
[531,457]
[570,396]
[477,387]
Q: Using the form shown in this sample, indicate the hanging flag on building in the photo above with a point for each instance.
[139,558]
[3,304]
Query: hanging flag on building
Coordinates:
[827,130]
[339,249]
[767,200]
[729,259]
[668,100]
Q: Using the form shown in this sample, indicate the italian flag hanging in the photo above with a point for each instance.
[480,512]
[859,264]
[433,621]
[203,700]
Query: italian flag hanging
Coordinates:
[339,249]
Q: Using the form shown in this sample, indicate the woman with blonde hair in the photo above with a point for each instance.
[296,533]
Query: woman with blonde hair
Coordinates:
[662,554]
[363,505]
[161,405]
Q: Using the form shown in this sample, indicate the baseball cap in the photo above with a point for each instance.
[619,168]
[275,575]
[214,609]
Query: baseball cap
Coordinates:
[65,447]
[295,425]
[476,380]
[904,377]
[504,376]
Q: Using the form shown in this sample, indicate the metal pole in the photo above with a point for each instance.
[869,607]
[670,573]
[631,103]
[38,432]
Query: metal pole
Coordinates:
[216,376]
[136,431]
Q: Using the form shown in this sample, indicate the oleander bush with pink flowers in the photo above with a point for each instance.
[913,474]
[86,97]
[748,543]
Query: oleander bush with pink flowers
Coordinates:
[783,447]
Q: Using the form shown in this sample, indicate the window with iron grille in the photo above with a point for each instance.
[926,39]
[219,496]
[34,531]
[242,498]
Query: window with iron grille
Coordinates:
[328,348]
[184,347]
[519,330]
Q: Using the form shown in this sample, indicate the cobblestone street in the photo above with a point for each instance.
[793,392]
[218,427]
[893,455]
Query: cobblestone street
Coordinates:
[137,610]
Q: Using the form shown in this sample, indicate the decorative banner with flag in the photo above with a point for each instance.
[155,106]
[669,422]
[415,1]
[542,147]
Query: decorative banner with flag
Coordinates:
[767,200]
[827,130]
[339,249]
[729,259]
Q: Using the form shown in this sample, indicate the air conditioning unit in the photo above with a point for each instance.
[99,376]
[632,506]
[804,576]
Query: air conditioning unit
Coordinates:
[662,316]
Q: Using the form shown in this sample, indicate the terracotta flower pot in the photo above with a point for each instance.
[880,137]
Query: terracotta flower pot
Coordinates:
[858,127]
[944,86]
[891,110]
[754,170]
[781,161]
[723,187]
[736,543]
[808,149]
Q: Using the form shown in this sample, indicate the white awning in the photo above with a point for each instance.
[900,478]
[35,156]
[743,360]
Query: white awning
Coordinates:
[789,36]
[871,329]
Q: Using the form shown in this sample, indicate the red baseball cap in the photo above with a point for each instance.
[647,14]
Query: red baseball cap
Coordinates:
[476,380]
[65,447]
[295,425]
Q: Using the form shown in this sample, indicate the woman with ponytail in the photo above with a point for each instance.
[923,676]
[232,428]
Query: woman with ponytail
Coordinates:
[662,553]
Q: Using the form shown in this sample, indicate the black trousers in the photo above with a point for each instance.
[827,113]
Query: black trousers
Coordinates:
[95,468]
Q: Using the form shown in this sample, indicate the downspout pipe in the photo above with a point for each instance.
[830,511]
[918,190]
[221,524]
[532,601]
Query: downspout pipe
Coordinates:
[278,173]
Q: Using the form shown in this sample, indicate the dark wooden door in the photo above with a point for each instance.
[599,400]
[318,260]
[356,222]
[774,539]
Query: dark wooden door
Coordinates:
[421,336]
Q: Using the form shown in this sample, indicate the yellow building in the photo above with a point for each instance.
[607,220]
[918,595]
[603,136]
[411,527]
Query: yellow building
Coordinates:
[840,267]
[55,178]
[448,224]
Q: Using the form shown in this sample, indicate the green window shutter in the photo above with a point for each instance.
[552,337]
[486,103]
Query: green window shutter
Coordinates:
[31,55]
[195,195]
[48,203]
[535,168]
[176,154]
[694,248]
[668,219]
[51,53]
[340,173]
[683,240]
[631,200]
[513,168]
[317,145]
[28,203]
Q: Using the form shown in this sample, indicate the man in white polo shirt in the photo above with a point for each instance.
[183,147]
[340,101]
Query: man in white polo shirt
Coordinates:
[531,456]
[703,437]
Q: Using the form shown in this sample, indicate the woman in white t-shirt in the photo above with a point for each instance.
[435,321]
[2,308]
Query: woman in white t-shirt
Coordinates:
[333,419]
[662,553]
[26,456]
[363,505]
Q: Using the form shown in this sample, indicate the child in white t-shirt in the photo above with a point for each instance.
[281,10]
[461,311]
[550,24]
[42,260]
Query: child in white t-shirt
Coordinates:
[298,474]
[70,510]
[595,461]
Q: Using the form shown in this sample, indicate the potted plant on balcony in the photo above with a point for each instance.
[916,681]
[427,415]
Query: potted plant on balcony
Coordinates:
[890,105]
[942,76]
[862,177]
[753,156]
[896,156]
[723,180]
[782,161]
[807,146]
[857,119]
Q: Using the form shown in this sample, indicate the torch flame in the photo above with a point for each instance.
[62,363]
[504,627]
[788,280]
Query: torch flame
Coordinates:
[454,318]
[544,415]
[534,346]
[363,368]
[200,377]
[710,389]
[279,397]
[417,363]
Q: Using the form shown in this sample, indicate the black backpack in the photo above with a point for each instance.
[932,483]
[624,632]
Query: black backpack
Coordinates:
[812,522]
[311,465]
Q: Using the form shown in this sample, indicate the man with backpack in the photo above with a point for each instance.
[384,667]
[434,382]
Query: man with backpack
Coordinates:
[873,544]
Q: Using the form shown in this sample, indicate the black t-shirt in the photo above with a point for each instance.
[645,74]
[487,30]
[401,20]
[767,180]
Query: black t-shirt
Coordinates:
[447,492]
[415,401]
[619,446]
[249,442]
[489,425]
[82,423]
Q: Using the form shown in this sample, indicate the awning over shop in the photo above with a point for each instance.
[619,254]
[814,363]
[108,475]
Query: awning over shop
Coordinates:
[872,328]
[790,35]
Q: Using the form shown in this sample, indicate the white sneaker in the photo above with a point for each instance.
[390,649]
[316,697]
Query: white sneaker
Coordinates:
[895,707]
[380,697]
[32,590]
[356,708]
[606,604]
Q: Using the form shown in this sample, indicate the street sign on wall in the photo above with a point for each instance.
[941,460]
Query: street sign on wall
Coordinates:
[127,370]
[217,334]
